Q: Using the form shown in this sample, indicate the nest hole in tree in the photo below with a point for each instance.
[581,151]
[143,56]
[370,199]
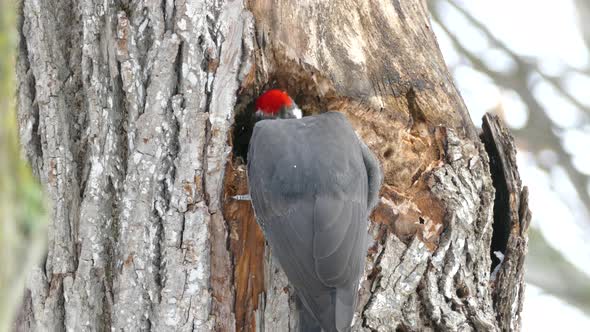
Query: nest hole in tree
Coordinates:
[310,92]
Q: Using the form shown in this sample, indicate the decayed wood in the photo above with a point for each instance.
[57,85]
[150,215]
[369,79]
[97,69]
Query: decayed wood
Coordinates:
[247,247]
[126,111]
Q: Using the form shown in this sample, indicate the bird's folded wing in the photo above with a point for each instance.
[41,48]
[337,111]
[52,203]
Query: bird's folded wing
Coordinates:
[320,245]
[339,236]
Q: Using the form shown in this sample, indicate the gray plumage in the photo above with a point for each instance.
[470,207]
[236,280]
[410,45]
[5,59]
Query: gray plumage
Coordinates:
[313,184]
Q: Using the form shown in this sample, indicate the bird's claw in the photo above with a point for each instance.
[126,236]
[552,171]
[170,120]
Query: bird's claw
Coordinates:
[242,197]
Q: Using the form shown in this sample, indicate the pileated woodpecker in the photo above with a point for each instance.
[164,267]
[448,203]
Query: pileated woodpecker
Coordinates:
[313,184]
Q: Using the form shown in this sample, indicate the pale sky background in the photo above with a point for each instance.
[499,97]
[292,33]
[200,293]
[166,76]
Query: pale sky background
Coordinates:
[547,32]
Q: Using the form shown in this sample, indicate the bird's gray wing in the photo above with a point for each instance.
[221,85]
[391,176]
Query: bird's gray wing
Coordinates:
[340,248]
[321,245]
[339,232]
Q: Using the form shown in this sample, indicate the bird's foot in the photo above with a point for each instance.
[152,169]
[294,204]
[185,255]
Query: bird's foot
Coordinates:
[242,197]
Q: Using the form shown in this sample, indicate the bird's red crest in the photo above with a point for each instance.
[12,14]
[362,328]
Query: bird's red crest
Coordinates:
[271,101]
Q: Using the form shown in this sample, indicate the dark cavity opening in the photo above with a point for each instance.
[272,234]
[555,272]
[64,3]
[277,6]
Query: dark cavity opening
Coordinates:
[301,84]
[502,219]
[243,126]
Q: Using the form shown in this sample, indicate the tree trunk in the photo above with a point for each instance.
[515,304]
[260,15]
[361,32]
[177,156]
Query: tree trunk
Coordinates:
[136,118]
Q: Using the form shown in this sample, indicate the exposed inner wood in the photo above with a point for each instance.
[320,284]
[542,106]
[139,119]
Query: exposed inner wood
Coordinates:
[247,246]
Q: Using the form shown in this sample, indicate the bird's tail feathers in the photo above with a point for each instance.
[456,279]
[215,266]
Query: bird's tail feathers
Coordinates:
[307,321]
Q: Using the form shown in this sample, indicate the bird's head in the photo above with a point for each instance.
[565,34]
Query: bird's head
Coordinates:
[275,104]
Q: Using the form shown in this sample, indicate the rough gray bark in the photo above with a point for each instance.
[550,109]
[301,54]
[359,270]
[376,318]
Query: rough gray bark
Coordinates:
[126,112]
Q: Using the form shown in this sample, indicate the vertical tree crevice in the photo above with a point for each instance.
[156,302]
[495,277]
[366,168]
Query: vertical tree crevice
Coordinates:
[511,221]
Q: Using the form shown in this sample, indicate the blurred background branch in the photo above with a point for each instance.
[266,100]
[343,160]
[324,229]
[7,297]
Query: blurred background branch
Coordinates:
[583,8]
[506,60]
[539,133]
